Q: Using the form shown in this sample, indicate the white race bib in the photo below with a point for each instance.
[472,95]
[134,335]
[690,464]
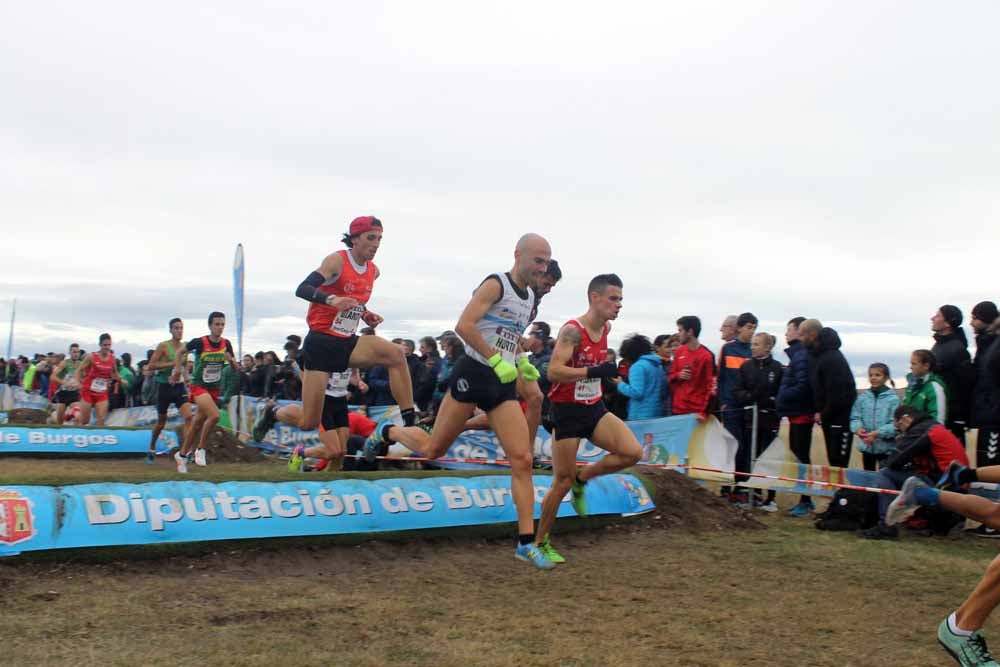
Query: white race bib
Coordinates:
[507,342]
[99,385]
[587,390]
[211,373]
[337,385]
[346,321]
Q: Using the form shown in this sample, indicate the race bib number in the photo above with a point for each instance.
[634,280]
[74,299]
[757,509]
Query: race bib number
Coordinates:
[506,342]
[337,386]
[346,321]
[211,373]
[587,390]
[99,385]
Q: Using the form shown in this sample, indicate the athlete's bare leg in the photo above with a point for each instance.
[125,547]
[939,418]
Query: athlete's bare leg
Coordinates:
[210,411]
[614,437]
[192,433]
[982,601]
[374,351]
[332,445]
[60,412]
[563,473]
[533,398]
[161,423]
[102,412]
[989,474]
[512,432]
[450,423]
[313,394]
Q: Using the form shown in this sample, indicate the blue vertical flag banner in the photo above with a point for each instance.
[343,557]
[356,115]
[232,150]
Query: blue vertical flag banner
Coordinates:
[238,281]
[10,337]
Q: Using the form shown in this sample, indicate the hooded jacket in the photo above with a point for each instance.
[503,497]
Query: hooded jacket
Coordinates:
[831,379]
[645,388]
[927,394]
[873,412]
[954,366]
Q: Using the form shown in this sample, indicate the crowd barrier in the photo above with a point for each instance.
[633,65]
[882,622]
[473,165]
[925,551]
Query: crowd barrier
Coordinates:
[109,514]
[15,398]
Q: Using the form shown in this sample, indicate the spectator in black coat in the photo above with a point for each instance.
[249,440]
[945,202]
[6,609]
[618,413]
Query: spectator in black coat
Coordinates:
[757,384]
[423,394]
[954,365]
[833,387]
[985,414]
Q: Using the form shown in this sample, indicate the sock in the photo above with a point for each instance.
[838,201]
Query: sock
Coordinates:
[967,476]
[409,416]
[385,433]
[955,630]
[928,497]
[526,539]
[578,480]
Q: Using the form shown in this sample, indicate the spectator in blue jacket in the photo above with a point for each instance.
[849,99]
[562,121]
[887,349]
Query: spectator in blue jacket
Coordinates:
[871,416]
[645,385]
[795,401]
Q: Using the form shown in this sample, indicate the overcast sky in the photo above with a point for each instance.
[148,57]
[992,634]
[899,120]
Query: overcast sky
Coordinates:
[836,160]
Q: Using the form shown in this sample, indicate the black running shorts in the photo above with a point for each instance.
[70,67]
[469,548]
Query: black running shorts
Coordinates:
[473,382]
[327,353]
[65,396]
[334,413]
[573,420]
[167,394]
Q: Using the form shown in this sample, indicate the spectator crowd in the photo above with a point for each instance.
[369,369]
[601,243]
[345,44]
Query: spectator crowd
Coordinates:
[918,431]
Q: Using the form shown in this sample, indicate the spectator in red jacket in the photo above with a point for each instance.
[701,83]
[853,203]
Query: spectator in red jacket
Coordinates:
[693,371]
[925,449]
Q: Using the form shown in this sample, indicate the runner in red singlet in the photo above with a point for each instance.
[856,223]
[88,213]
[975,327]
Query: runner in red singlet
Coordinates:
[100,372]
[338,292]
[578,365]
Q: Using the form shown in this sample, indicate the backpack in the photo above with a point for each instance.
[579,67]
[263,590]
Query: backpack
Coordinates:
[849,510]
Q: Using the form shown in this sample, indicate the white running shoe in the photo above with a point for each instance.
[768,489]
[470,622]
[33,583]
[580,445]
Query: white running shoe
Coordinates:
[182,466]
[199,457]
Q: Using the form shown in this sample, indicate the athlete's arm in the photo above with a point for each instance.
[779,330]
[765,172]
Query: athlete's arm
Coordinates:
[230,357]
[482,300]
[55,373]
[79,369]
[155,361]
[308,289]
[559,369]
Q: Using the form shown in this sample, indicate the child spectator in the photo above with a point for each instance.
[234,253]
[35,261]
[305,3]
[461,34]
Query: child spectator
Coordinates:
[925,390]
[871,416]
[757,384]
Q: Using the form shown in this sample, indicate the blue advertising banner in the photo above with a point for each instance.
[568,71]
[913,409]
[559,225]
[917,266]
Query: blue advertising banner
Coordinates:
[43,440]
[13,398]
[90,515]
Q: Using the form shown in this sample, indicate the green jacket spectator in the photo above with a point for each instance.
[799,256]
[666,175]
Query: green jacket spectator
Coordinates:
[929,394]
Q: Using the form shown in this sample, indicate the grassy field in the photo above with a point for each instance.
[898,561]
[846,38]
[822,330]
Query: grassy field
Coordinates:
[632,594]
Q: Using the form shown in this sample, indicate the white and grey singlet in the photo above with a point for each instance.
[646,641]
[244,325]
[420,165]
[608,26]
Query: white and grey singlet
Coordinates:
[506,320]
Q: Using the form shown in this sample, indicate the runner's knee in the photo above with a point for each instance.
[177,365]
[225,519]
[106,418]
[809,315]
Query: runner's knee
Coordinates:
[520,461]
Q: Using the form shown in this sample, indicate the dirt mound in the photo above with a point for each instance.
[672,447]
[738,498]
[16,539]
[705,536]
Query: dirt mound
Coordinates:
[27,416]
[683,504]
[224,447]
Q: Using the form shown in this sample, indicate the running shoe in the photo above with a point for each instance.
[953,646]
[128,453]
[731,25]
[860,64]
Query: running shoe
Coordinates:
[968,651]
[802,509]
[951,479]
[985,531]
[579,499]
[545,546]
[182,466]
[375,440]
[530,553]
[199,457]
[265,422]
[769,506]
[297,458]
[905,504]
[150,457]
